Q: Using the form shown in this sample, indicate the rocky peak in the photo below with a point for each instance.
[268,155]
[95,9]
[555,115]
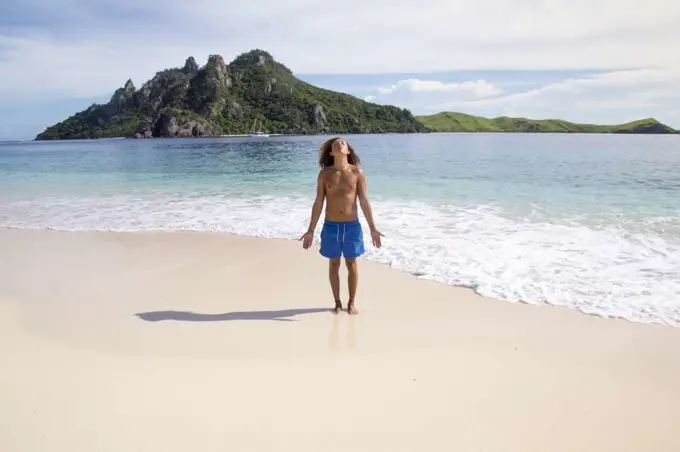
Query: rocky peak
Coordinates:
[122,98]
[216,69]
[208,86]
[129,87]
[216,62]
[190,66]
[256,59]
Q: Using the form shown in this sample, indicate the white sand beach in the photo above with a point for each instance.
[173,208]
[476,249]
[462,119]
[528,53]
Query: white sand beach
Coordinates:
[182,341]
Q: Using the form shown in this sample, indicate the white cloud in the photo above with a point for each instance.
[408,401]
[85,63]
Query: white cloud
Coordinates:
[40,68]
[108,41]
[610,97]
[417,93]
[479,88]
[632,89]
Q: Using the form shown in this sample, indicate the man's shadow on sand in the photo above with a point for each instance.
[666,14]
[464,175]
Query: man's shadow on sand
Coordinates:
[186,316]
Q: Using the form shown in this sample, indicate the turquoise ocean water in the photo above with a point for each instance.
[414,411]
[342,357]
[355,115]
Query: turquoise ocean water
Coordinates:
[587,221]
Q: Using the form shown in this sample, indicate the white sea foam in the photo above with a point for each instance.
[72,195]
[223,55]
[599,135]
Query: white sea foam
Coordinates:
[605,270]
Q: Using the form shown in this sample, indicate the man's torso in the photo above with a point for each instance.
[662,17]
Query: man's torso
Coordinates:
[341,193]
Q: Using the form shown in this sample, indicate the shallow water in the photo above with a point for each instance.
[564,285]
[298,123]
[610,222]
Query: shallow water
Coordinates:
[587,221]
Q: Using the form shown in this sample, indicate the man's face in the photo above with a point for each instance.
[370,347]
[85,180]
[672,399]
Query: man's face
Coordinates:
[339,147]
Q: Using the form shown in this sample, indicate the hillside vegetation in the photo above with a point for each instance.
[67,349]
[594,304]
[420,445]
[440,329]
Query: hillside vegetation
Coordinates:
[460,122]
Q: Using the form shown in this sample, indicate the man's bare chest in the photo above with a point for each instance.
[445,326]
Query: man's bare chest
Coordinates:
[341,184]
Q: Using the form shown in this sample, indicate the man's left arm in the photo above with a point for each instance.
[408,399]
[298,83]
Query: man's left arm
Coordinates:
[362,192]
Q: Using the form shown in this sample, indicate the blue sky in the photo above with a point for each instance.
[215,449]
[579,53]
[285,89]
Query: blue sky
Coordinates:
[601,61]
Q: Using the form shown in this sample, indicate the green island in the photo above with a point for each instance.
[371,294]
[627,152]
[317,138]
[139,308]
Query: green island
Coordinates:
[252,92]
[255,93]
[460,122]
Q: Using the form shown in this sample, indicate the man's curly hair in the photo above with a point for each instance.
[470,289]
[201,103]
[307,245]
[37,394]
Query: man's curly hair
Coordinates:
[326,159]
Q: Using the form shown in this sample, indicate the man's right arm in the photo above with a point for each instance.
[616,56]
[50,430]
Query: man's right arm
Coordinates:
[317,207]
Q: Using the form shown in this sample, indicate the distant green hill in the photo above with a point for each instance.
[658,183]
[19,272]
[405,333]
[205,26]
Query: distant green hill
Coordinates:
[460,122]
[220,99]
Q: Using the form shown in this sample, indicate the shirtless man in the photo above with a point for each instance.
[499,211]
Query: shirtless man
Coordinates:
[340,183]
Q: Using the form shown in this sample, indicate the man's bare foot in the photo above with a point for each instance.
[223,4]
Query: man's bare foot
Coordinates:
[351,310]
[338,307]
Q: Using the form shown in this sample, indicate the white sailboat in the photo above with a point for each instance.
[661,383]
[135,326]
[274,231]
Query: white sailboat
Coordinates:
[256,132]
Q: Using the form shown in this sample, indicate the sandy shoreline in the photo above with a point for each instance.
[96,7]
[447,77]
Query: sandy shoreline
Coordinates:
[183,341]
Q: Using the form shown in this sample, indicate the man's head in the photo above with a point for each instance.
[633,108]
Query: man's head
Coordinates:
[336,147]
[339,147]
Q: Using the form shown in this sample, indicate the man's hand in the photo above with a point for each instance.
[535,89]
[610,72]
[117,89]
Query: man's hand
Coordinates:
[307,239]
[375,236]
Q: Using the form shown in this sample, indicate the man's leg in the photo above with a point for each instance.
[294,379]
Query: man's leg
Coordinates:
[353,247]
[330,248]
[352,282]
[334,277]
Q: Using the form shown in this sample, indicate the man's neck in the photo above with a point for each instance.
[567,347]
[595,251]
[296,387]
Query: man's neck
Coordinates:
[340,163]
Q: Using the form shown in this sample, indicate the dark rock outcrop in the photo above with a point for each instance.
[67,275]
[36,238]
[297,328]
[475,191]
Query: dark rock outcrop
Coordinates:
[175,124]
[144,130]
[190,66]
[123,99]
[235,111]
[318,117]
[165,89]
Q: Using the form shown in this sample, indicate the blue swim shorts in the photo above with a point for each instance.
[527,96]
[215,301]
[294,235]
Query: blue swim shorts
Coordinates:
[344,238]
